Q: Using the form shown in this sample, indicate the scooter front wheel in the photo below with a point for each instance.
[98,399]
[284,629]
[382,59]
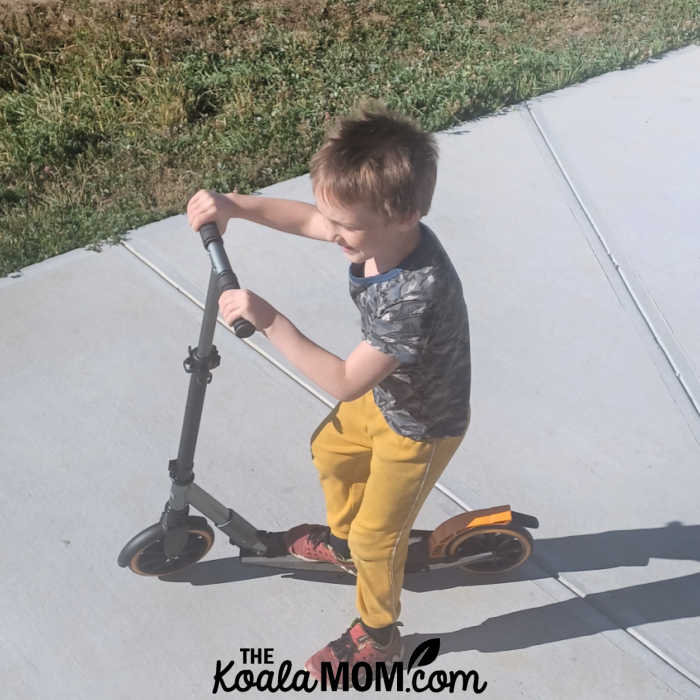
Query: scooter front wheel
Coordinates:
[145,553]
[509,545]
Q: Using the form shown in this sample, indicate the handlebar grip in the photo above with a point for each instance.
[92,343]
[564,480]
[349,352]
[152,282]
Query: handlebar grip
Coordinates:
[226,278]
[209,232]
[243,328]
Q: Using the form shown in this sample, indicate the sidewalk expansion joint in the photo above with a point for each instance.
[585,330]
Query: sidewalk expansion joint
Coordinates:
[678,374]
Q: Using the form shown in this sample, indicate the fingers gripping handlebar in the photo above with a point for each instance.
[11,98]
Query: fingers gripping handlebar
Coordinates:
[226,278]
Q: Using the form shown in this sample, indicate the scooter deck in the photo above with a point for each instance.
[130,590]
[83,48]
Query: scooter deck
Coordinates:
[416,560]
[290,562]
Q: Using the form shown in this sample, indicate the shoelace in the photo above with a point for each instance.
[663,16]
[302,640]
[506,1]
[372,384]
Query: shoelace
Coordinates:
[343,648]
[319,535]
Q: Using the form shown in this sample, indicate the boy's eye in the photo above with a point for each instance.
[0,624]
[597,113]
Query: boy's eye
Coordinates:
[346,228]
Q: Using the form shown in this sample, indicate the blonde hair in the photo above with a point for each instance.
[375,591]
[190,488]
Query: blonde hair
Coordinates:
[378,158]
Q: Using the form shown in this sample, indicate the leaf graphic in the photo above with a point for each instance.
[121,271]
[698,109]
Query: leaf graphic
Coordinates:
[425,653]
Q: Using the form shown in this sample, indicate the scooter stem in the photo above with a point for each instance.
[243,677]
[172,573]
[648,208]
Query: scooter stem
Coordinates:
[200,362]
[205,357]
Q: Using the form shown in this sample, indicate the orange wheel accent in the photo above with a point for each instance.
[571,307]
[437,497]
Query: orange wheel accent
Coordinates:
[151,560]
[511,546]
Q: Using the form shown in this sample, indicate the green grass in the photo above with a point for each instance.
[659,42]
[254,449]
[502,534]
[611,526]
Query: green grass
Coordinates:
[114,112]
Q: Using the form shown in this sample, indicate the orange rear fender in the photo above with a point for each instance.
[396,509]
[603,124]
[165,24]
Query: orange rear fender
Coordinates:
[441,536]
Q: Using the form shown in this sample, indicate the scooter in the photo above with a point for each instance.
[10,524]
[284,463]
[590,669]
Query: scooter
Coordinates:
[487,541]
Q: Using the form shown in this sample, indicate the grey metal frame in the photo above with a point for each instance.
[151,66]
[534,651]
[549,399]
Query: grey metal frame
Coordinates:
[184,491]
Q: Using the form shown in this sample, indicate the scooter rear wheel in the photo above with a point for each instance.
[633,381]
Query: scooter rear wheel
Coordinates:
[511,546]
[145,554]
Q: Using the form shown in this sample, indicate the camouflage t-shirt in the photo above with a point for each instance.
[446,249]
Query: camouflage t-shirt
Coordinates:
[416,312]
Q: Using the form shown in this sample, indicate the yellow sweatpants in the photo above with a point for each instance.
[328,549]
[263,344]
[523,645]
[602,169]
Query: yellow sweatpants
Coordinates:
[375,482]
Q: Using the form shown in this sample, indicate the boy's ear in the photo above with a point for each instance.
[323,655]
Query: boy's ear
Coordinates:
[408,221]
[411,220]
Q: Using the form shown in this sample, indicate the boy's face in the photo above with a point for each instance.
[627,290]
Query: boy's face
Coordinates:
[359,231]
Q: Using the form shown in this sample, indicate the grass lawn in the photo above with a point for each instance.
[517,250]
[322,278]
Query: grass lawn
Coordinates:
[114,112]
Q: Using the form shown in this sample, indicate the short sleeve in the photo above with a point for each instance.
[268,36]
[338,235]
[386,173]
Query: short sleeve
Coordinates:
[402,330]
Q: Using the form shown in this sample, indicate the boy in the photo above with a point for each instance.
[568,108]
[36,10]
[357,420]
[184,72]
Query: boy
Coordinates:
[403,391]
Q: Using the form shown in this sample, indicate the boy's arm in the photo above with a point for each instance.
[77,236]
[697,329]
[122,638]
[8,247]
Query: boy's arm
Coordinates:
[288,215]
[347,379]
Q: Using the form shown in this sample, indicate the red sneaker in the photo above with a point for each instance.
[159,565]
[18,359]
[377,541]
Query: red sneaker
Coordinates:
[311,543]
[355,645]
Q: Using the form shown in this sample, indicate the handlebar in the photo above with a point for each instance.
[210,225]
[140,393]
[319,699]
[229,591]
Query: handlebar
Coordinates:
[226,279]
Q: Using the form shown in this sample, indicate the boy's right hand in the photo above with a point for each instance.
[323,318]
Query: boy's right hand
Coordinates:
[207,206]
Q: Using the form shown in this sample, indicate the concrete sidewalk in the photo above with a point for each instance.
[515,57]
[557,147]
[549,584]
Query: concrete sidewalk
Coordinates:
[573,221]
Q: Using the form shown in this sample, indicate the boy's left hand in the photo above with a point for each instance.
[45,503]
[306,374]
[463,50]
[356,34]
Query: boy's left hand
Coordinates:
[242,303]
